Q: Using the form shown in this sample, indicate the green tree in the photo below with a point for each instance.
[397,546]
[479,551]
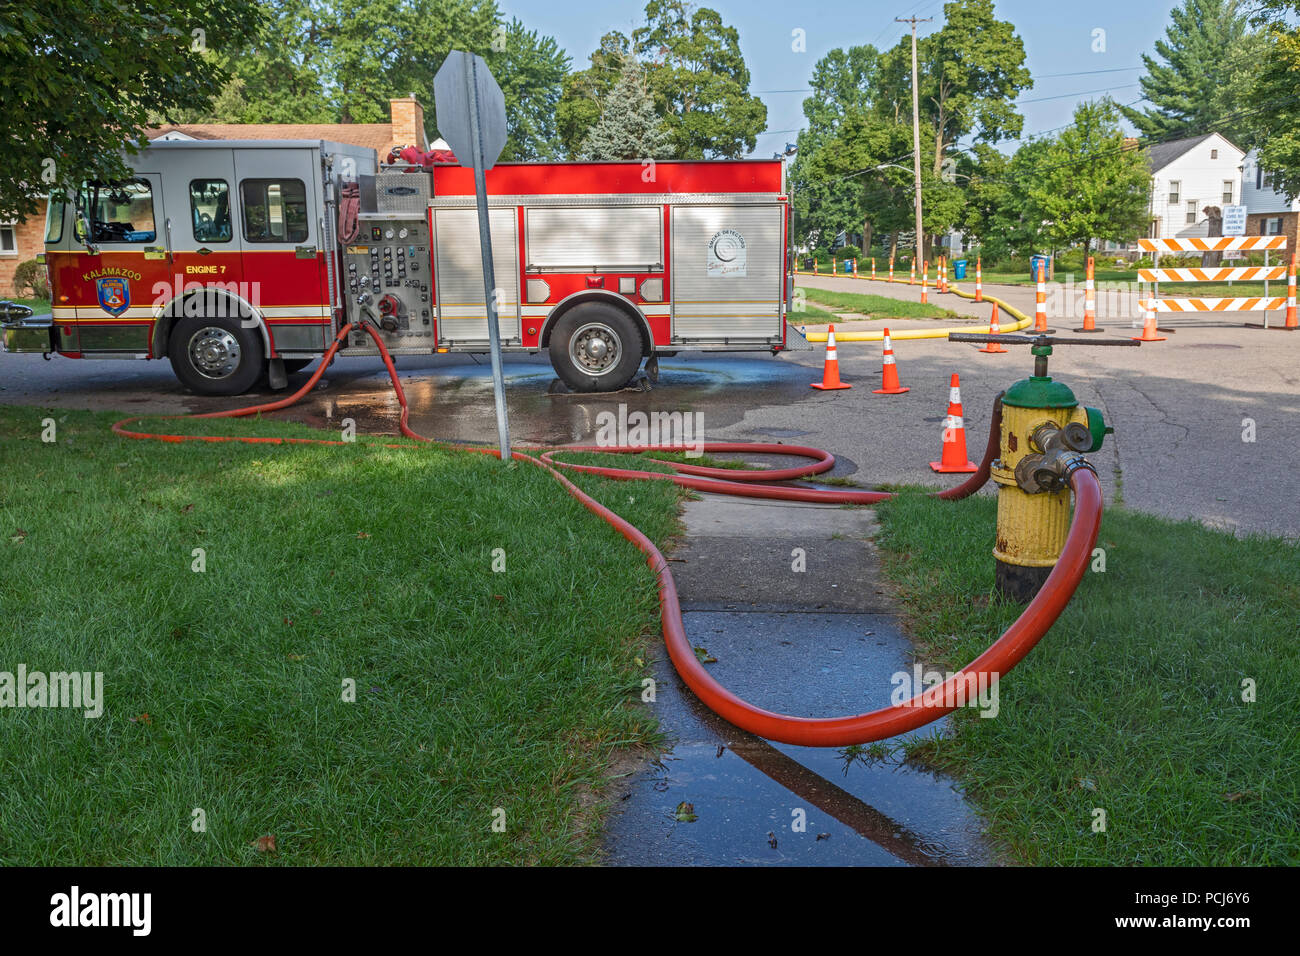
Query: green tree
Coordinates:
[851,181]
[353,56]
[1277,92]
[530,70]
[1090,185]
[971,71]
[825,202]
[699,80]
[1202,80]
[628,127]
[582,91]
[1000,214]
[82,79]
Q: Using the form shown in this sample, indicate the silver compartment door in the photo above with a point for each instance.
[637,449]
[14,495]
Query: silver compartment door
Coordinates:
[462,315]
[715,298]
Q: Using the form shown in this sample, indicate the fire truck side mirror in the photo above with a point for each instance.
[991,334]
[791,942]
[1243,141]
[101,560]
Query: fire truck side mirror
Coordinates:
[13,311]
[81,229]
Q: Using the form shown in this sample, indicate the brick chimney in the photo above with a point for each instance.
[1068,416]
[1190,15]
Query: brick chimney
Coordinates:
[408,122]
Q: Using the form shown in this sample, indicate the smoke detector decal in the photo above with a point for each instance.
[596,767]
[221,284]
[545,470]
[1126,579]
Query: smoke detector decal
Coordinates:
[727,254]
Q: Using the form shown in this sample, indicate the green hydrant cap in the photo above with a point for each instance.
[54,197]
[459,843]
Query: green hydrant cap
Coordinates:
[1040,392]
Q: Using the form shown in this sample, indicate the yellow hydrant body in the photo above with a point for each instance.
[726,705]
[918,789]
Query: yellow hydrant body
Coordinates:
[1034,515]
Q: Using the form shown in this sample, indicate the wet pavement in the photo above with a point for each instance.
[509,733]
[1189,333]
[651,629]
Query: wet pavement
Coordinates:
[818,642]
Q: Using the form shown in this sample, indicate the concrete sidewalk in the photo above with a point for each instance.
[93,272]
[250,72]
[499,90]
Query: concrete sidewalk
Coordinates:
[818,642]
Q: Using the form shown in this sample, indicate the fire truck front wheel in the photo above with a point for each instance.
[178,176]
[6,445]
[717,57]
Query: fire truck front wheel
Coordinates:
[215,356]
[595,348]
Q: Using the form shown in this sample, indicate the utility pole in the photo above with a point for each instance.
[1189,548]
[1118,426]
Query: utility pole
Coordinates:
[916,139]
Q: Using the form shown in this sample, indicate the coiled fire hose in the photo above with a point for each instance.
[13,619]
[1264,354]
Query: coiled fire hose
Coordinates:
[929,705]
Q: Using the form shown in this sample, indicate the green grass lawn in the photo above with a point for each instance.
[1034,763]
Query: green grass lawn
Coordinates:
[876,306]
[1132,703]
[223,690]
[811,315]
[1127,279]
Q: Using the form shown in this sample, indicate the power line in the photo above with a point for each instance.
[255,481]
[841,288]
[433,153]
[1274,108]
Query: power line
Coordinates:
[1122,69]
[1045,76]
[1066,96]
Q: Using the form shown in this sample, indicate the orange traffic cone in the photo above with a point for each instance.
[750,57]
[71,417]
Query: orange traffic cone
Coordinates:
[993,347]
[831,370]
[1090,301]
[889,373]
[1040,304]
[953,458]
[1149,328]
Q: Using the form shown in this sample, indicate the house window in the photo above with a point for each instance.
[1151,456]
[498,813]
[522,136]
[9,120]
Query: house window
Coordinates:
[1268,181]
[8,239]
[120,212]
[1175,188]
[275,210]
[1227,192]
[1273,227]
[1191,212]
[1214,154]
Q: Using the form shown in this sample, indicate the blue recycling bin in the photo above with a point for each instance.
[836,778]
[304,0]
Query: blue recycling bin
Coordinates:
[1033,266]
[959,269]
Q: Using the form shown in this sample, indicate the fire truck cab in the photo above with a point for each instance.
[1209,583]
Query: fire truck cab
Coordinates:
[242,259]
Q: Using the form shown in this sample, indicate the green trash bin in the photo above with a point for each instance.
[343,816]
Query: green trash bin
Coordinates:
[959,269]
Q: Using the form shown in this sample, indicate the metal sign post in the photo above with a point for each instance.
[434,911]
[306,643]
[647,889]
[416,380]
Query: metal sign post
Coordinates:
[472,119]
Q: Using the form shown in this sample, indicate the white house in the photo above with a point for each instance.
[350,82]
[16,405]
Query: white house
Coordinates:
[1268,213]
[1188,176]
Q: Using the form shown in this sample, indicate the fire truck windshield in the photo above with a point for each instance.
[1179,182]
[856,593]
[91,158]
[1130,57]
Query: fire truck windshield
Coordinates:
[119,212]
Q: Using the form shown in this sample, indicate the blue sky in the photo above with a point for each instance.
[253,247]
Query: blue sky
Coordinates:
[1058,39]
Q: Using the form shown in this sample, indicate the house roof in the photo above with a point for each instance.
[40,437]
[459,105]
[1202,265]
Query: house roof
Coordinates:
[376,136]
[1162,154]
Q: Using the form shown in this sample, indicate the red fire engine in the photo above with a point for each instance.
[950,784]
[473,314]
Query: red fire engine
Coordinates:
[238,259]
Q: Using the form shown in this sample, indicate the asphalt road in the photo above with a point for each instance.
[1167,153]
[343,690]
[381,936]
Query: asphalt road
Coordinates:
[1182,409]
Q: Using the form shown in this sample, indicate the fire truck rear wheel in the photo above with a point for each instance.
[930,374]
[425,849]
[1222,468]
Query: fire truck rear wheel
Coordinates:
[595,348]
[215,356]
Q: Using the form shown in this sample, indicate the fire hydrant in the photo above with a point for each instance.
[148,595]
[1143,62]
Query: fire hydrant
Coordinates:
[1045,434]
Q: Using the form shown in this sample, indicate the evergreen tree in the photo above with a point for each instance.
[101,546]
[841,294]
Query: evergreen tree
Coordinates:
[1203,85]
[629,127]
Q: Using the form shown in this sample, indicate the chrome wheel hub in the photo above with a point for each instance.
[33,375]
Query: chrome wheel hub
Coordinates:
[214,352]
[595,348]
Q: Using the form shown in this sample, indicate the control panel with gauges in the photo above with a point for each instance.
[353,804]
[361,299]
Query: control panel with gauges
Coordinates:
[388,277]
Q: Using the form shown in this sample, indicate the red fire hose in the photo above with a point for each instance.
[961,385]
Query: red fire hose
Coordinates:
[931,704]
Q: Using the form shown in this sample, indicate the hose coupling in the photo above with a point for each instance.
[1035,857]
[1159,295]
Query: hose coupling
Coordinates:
[1060,455]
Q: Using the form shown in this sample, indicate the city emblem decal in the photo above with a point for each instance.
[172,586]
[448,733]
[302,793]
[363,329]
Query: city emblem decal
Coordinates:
[114,295]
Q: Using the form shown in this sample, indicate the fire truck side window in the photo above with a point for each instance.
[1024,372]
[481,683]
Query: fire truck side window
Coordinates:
[54,216]
[119,212]
[210,210]
[275,210]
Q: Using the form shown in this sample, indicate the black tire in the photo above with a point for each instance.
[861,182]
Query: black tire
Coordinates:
[231,363]
[596,348]
[291,366]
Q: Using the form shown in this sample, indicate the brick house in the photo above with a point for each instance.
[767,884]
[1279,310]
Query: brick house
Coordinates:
[20,241]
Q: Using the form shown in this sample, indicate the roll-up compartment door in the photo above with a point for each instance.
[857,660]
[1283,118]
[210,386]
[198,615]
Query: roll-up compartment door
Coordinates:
[592,238]
[726,272]
[462,315]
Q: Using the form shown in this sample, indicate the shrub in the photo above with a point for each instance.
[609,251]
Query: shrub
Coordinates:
[30,276]
[848,252]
